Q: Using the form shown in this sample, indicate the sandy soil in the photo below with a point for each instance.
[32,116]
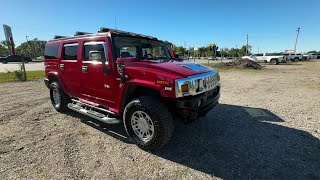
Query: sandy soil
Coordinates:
[267,126]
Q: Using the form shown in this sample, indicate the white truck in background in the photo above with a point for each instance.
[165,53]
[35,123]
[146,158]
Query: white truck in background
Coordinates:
[273,58]
[313,55]
[292,56]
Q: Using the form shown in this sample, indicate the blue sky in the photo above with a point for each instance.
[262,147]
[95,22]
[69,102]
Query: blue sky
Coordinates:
[271,24]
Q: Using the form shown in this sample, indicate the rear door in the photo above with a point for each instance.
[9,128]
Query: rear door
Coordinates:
[70,68]
[97,86]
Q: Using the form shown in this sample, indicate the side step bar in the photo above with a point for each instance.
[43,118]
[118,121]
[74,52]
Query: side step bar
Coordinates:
[93,112]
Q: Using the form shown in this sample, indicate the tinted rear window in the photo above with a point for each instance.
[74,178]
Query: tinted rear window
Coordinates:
[70,51]
[51,52]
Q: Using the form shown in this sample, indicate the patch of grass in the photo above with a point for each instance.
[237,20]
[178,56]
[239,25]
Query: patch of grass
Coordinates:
[11,77]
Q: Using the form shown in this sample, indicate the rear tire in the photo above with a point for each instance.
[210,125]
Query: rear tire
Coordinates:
[4,62]
[148,123]
[296,59]
[58,98]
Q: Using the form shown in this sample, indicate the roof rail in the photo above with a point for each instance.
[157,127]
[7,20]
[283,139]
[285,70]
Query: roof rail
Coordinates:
[79,33]
[103,29]
[58,37]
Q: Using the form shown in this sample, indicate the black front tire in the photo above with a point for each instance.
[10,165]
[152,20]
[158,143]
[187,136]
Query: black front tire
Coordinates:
[4,62]
[64,99]
[161,119]
[274,61]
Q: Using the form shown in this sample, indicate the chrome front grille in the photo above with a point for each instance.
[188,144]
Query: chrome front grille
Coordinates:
[197,84]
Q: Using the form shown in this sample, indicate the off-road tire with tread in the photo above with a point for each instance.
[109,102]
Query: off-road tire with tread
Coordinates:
[64,99]
[160,116]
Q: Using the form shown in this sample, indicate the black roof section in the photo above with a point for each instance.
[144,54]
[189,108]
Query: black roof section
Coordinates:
[101,32]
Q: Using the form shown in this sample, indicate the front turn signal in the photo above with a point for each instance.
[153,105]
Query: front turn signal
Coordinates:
[185,88]
[162,83]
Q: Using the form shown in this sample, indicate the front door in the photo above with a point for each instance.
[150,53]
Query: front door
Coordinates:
[96,84]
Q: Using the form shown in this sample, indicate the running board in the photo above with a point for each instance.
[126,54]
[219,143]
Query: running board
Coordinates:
[93,112]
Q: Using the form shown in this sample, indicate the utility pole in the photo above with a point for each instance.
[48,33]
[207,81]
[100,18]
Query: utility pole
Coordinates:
[115,22]
[295,46]
[237,50]
[194,54]
[247,46]
[184,52]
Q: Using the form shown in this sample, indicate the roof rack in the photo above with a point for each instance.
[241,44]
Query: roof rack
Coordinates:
[103,29]
[58,37]
[79,33]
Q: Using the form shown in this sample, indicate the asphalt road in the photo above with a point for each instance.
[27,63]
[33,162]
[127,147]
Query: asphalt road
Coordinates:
[31,66]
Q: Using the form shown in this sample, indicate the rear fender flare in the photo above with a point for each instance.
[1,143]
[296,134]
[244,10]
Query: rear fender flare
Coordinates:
[55,75]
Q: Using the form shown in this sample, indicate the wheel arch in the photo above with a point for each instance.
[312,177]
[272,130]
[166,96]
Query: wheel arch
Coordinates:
[54,76]
[133,91]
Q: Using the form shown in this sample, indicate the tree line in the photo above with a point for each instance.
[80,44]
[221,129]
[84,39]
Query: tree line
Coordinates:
[33,48]
[213,50]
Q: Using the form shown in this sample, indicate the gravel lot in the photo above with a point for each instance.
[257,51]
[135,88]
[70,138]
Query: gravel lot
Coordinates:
[266,127]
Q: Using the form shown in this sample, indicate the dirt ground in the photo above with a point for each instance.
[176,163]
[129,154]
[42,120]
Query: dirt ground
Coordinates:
[267,126]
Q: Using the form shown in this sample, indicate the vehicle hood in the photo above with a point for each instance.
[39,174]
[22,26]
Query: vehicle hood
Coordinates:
[183,69]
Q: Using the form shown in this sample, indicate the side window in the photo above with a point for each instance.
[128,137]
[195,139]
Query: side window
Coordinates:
[128,52]
[70,51]
[51,52]
[93,46]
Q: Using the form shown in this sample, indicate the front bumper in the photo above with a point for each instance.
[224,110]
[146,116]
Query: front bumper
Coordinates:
[46,82]
[191,108]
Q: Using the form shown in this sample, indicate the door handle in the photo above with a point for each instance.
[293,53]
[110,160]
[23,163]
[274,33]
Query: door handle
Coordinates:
[85,69]
[62,66]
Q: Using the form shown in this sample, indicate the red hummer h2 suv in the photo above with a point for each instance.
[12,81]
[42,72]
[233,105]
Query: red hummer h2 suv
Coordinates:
[115,76]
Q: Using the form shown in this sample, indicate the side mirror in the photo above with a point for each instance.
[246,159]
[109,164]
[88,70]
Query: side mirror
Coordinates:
[121,63]
[99,56]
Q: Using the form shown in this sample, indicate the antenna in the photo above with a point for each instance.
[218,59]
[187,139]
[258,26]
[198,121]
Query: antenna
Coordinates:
[115,22]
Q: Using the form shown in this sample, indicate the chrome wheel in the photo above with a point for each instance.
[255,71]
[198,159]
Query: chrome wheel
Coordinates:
[56,97]
[142,126]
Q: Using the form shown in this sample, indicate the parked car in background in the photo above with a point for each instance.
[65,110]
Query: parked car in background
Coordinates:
[306,57]
[313,55]
[15,58]
[292,56]
[274,58]
[40,58]
[318,56]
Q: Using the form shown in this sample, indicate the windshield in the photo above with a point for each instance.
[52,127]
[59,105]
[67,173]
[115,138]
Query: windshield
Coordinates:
[141,48]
